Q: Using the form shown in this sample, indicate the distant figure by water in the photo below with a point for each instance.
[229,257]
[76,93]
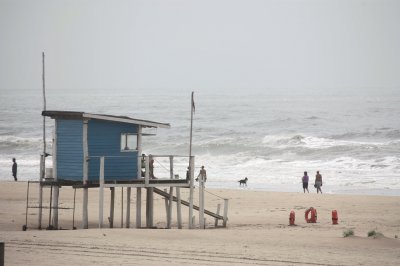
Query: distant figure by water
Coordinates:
[318,182]
[305,182]
[14,169]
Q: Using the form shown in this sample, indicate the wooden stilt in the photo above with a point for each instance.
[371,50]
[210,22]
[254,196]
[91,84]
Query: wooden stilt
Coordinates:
[138,207]
[149,207]
[178,205]
[111,218]
[170,203]
[50,206]
[122,207]
[40,209]
[27,206]
[128,207]
[191,191]
[166,209]
[201,202]
[55,207]
[218,210]
[73,211]
[226,201]
[101,192]
[85,218]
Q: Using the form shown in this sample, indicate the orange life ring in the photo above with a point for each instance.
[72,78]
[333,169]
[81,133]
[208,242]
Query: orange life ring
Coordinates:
[313,218]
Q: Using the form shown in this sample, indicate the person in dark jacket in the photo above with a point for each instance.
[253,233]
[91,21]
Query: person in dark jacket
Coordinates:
[14,169]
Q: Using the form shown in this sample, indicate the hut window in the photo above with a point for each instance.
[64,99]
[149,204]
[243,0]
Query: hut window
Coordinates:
[128,142]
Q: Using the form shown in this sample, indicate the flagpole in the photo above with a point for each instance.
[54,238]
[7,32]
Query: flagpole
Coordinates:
[191,166]
[191,124]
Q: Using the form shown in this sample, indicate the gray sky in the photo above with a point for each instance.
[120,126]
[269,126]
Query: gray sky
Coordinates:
[206,44]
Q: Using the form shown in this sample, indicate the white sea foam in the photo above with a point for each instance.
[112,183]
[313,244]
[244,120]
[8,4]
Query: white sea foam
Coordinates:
[270,138]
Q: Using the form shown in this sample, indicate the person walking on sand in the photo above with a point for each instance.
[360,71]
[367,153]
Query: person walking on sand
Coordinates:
[318,182]
[202,175]
[305,182]
[14,169]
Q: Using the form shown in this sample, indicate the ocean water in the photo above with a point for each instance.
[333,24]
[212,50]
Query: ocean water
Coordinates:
[269,136]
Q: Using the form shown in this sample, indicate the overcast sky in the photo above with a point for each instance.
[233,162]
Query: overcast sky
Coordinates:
[206,44]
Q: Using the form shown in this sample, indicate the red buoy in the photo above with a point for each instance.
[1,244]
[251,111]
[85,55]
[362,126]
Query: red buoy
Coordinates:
[334,217]
[292,217]
[313,218]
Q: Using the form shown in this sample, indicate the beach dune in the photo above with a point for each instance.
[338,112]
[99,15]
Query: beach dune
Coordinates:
[258,231]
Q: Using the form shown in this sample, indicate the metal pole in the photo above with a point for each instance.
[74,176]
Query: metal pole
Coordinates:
[44,109]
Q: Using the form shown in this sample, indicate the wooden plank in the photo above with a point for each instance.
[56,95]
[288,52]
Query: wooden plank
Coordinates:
[186,203]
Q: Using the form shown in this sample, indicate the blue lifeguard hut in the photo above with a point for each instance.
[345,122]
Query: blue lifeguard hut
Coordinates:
[81,139]
[105,151]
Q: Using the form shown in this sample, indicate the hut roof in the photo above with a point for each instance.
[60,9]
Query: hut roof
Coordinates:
[121,119]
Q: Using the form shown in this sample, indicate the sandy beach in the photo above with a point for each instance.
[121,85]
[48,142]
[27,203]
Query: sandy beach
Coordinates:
[258,232]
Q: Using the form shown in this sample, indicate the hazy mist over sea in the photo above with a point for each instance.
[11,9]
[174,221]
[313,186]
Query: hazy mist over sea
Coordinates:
[280,86]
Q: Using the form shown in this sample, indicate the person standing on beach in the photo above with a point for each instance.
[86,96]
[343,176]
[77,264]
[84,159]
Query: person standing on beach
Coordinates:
[305,182]
[318,182]
[14,169]
[151,167]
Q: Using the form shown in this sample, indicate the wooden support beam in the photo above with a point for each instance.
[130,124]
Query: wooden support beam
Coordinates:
[170,203]
[85,217]
[111,218]
[138,207]
[55,207]
[56,190]
[218,210]
[41,178]
[101,192]
[191,191]
[122,207]
[178,205]
[226,201]
[149,207]
[166,208]
[128,207]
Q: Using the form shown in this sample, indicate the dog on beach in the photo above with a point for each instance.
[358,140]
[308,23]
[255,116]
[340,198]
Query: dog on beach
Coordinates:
[243,182]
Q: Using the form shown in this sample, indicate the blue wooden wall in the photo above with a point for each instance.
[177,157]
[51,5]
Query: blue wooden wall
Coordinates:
[69,149]
[104,139]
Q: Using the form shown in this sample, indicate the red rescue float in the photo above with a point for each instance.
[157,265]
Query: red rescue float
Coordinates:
[334,217]
[292,217]
[313,218]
